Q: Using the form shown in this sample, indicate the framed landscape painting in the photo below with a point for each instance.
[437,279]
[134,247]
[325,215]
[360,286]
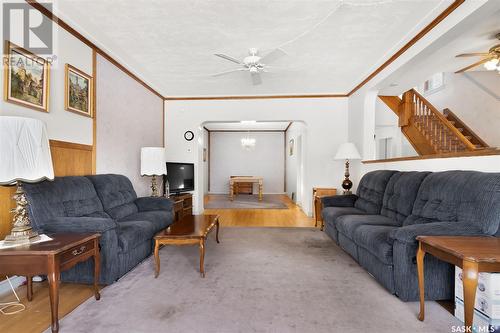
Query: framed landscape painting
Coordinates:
[78,91]
[26,78]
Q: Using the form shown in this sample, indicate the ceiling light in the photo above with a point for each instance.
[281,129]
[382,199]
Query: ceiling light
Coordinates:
[248,143]
[491,65]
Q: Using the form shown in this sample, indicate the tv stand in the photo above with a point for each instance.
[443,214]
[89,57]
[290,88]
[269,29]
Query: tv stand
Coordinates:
[183,205]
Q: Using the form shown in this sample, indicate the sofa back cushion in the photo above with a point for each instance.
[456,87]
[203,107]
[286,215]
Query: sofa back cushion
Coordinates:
[400,194]
[116,193]
[466,197]
[371,190]
[62,197]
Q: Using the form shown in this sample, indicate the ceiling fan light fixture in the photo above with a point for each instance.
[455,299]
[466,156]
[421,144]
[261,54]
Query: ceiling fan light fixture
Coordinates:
[491,65]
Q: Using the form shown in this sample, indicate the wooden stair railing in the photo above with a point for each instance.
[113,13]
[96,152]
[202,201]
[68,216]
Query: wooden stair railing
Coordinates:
[427,129]
[466,130]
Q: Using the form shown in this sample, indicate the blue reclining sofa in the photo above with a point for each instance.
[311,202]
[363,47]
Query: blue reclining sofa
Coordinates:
[379,224]
[105,204]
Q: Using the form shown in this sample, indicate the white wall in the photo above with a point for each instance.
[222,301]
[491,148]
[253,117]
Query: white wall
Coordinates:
[229,158]
[129,117]
[61,124]
[294,162]
[475,98]
[325,119]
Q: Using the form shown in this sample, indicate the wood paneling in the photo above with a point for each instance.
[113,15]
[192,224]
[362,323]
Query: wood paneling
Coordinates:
[69,159]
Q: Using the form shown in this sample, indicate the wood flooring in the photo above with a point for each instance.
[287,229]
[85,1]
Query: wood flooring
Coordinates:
[36,317]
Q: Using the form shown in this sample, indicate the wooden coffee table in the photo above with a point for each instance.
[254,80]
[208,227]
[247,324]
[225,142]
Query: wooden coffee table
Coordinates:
[190,230]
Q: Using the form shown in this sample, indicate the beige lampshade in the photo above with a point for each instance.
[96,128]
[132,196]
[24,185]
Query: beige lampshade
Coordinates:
[153,161]
[24,151]
[347,151]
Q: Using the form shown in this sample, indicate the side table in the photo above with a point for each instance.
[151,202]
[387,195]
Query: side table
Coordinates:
[318,193]
[472,254]
[50,258]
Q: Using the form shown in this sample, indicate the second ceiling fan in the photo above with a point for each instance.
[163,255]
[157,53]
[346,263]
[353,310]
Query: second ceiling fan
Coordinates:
[254,63]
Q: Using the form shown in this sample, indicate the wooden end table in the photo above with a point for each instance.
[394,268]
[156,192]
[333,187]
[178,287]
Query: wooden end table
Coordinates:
[190,230]
[472,254]
[51,258]
[318,193]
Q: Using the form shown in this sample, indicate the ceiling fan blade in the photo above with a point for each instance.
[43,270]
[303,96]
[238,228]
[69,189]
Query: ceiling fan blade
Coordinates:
[477,54]
[256,79]
[223,56]
[480,62]
[273,56]
[230,71]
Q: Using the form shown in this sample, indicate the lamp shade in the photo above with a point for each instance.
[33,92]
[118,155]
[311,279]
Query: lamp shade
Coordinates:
[153,161]
[24,151]
[347,151]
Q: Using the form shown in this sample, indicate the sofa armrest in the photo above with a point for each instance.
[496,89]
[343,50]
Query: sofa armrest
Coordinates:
[409,233]
[79,224]
[154,203]
[339,200]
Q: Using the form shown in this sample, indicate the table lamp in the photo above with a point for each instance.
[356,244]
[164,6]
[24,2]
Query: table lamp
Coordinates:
[347,151]
[25,157]
[153,164]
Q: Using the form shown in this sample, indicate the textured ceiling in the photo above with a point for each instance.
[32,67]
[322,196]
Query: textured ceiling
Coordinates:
[331,45]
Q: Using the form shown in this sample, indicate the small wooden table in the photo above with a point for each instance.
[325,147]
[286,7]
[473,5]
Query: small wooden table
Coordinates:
[51,258]
[190,230]
[318,193]
[472,254]
[241,179]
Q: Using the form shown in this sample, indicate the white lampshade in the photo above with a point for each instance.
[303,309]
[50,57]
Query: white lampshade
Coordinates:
[153,161]
[24,151]
[347,151]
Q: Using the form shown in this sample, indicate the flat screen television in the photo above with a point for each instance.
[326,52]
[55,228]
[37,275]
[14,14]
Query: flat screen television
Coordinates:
[180,177]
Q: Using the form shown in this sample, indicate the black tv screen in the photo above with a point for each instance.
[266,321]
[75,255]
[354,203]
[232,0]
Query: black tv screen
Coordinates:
[180,177]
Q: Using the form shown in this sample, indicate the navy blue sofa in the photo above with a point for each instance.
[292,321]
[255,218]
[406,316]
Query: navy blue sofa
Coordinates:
[378,226]
[105,204]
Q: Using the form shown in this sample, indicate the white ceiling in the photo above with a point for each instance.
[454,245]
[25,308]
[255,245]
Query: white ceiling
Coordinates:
[474,34]
[331,45]
[257,126]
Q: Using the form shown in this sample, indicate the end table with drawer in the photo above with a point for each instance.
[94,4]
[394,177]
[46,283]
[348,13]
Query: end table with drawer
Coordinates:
[318,193]
[50,258]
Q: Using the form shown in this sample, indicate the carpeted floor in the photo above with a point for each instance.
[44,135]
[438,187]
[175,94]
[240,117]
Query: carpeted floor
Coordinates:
[257,280]
[245,201]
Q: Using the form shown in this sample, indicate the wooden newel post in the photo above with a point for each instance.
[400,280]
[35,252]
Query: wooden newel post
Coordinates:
[406,109]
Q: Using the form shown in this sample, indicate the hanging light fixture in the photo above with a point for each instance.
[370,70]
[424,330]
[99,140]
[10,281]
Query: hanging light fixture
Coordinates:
[247,142]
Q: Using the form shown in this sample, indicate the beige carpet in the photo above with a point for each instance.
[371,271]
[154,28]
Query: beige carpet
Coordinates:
[246,201]
[257,280]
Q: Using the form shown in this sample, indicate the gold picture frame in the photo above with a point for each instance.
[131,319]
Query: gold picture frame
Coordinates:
[78,91]
[26,78]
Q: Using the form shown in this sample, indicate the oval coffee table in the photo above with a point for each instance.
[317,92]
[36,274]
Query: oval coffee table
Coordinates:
[190,230]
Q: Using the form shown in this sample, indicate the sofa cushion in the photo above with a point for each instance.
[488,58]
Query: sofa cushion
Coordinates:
[371,190]
[116,193]
[347,224]
[330,214]
[133,233]
[400,194]
[374,239]
[62,197]
[467,197]
[159,218]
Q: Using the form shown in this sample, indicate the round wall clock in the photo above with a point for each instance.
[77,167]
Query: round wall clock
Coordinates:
[189,136]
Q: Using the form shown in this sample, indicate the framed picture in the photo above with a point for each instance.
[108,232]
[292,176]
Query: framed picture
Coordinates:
[78,91]
[290,147]
[26,78]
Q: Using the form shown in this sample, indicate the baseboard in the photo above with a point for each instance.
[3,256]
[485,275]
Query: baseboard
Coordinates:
[16,282]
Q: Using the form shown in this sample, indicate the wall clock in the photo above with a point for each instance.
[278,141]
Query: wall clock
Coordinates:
[189,136]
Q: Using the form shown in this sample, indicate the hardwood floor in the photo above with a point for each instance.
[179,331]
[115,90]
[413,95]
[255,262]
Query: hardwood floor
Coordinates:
[36,317]
[291,217]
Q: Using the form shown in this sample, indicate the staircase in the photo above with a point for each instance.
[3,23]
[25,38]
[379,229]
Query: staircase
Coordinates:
[430,131]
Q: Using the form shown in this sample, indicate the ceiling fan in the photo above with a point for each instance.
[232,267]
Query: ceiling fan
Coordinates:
[490,59]
[253,63]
